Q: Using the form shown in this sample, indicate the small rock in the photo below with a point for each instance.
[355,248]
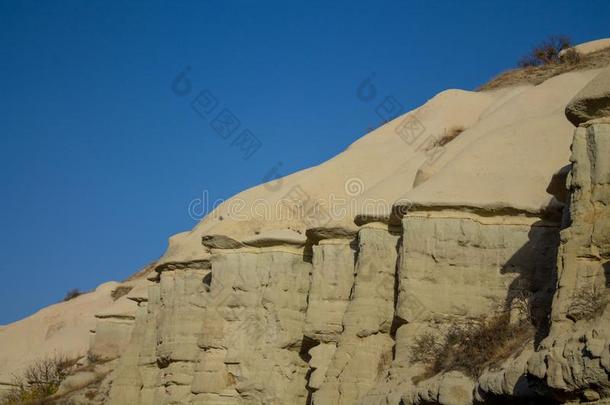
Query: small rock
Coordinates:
[590,395]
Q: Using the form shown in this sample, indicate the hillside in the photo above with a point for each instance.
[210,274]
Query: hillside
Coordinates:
[458,254]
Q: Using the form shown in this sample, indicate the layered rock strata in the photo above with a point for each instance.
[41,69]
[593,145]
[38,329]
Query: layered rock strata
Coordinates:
[335,316]
[255,311]
[333,322]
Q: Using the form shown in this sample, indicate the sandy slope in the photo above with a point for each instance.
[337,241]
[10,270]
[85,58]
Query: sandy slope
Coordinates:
[514,139]
[62,328]
[513,142]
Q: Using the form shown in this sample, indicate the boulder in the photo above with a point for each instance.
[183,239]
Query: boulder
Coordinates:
[592,102]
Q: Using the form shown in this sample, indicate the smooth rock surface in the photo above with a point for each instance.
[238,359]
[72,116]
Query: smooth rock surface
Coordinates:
[592,102]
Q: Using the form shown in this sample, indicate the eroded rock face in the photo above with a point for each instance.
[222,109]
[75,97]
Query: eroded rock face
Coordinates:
[224,335]
[454,267]
[574,360]
[254,312]
[332,323]
[591,102]
[335,320]
[364,347]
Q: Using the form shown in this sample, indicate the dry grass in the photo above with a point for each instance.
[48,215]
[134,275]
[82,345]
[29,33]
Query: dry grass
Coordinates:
[71,294]
[471,347]
[538,74]
[426,348]
[39,384]
[40,380]
[143,272]
[384,363]
[588,304]
[448,136]
[120,291]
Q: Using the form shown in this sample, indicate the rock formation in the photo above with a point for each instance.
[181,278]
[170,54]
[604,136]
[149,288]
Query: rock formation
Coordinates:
[498,225]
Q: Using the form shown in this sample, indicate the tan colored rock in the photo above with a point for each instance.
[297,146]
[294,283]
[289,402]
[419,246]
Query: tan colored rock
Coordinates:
[331,285]
[574,357]
[591,46]
[222,335]
[321,356]
[592,102]
[365,340]
[455,389]
[328,307]
[115,323]
[63,328]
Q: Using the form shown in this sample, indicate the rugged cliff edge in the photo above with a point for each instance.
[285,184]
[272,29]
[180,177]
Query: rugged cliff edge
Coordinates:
[494,244]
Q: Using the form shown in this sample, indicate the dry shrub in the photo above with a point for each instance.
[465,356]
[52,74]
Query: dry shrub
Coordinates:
[447,136]
[547,52]
[40,380]
[532,73]
[472,346]
[426,348]
[93,359]
[588,304]
[450,134]
[120,291]
[384,363]
[73,293]
[570,56]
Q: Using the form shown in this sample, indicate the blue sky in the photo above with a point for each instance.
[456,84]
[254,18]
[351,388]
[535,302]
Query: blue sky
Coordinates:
[100,157]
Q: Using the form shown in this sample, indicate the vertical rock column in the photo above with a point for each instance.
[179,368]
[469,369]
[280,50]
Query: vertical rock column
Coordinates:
[457,266]
[157,366]
[364,350]
[137,376]
[585,243]
[251,343]
[574,360]
[179,325]
[331,285]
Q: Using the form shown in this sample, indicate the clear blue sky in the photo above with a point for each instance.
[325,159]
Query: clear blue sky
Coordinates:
[99,158]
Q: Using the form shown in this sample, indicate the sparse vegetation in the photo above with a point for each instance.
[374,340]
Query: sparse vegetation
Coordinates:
[472,346]
[120,291]
[551,58]
[143,272]
[570,56]
[40,380]
[448,135]
[547,52]
[426,348]
[73,293]
[588,304]
[521,305]
[93,358]
[384,363]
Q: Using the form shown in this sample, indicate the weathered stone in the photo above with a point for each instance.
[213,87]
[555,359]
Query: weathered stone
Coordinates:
[576,351]
[592,102]
[249,313]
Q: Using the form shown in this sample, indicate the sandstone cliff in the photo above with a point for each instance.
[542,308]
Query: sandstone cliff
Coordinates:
[469,217]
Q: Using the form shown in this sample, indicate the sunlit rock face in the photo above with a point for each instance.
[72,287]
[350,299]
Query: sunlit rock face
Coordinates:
[501,221]
[574,360]
[336,315]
